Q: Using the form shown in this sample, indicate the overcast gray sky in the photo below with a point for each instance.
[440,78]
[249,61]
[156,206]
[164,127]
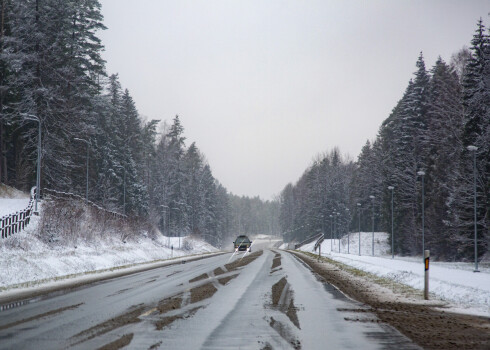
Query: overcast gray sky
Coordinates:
[262,87]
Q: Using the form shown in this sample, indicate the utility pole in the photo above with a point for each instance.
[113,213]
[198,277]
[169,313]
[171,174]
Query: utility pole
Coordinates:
[88,148]
[372,200]
[38,175]
[473,150]
[359,217]
[422,174]
[392,235]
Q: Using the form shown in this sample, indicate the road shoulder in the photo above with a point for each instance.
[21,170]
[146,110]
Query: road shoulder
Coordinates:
[425,322]
[34,289]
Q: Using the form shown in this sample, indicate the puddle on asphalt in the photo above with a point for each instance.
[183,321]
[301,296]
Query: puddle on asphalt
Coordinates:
[335,292]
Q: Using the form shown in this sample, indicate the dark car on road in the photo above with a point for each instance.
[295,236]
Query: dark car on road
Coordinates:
[242,243]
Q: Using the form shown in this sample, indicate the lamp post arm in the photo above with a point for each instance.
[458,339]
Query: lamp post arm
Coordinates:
[32,117]
[88,154]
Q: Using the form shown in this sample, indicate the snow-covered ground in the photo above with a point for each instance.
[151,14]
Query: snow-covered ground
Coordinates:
[12,205]
[24,259]
[12,200]
[455,283]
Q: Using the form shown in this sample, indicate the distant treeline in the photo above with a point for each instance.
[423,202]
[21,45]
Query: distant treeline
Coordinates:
[51,69]
[441,113]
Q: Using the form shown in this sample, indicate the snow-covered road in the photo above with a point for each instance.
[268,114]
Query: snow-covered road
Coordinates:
[265,300]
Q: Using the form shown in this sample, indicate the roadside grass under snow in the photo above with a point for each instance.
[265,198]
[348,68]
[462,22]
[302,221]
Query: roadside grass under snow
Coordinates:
[453,282]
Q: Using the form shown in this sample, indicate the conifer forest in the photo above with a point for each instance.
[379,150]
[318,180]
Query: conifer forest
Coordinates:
[51,70]
[423,142]
[53,77]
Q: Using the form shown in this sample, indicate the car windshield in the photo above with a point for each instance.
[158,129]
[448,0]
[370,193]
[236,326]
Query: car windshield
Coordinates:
[242,240]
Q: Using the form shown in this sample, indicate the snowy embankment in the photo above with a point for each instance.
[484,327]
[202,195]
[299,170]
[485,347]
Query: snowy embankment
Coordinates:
[12,205]
[12,200]
[455,283]
[27,260]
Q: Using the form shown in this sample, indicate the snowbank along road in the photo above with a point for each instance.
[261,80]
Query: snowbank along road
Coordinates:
[266,299]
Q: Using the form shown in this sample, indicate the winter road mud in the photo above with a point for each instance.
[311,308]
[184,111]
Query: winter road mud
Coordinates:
[263,300]
[427,325]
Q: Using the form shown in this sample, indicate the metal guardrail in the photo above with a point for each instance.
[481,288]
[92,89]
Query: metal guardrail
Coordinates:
[15,222]
[308,240]
[319,241]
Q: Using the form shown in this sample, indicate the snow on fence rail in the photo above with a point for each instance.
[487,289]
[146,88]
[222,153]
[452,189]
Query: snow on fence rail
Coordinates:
[319,241]
[58,194]
[308,240]
[13,223]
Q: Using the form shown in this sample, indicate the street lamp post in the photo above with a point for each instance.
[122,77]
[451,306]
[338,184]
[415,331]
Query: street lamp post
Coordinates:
[391,188]
[164,217]
[124,187]
[88,148]
[372,244]
[331,232]
[359,217]
[348,234]
[124,191]
[126,142]
[323,225]
[338,229]
[421,173]
[38,174]
[473,150]
[179,222]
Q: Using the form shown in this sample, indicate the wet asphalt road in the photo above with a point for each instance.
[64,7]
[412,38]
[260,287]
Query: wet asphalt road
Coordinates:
[272,302]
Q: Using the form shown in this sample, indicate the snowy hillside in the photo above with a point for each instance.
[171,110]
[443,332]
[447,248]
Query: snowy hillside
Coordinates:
[12,200]
[12,205]
[26,258]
